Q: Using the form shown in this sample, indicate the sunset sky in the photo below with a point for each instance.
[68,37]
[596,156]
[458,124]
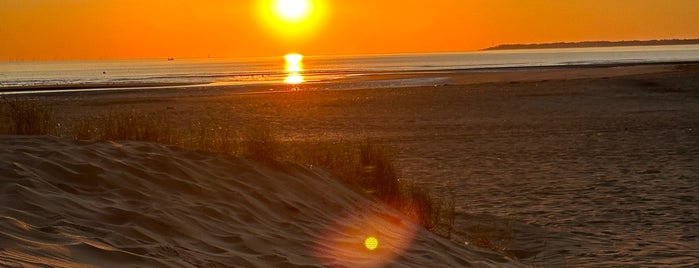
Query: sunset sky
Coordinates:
[89,29]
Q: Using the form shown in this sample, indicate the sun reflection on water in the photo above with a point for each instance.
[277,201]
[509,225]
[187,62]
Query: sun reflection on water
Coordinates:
[294,79]
[294,69]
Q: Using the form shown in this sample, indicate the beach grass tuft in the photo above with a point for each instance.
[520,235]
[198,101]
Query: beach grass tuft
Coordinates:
[376,172]
[209,136]
[24,116]
[130,125]
[364,166]
[493,237]
[368,167]
[259,143]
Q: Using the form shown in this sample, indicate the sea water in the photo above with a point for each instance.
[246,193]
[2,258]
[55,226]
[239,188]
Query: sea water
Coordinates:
[316,68]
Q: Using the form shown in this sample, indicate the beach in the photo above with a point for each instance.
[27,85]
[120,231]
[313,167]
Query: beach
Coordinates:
[592,166]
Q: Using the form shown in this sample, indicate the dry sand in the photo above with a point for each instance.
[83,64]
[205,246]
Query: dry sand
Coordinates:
[127,204]
[582,167]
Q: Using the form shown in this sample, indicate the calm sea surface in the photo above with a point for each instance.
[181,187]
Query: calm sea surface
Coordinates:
[316,68]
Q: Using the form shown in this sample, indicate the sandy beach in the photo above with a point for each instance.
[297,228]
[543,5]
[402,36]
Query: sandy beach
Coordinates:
[561,167]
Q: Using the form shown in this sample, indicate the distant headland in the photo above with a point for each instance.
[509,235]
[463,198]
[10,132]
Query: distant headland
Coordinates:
[597,44]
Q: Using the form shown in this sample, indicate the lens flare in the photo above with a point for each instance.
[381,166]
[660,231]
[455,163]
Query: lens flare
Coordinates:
[352,239]
[371,243]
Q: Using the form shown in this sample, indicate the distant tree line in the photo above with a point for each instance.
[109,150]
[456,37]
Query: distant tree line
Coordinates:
[598,44]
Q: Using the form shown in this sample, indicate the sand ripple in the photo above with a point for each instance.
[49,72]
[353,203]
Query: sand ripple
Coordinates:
[107,204]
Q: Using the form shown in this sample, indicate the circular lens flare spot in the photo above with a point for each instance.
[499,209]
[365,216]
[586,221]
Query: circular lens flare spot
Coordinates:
[371,243]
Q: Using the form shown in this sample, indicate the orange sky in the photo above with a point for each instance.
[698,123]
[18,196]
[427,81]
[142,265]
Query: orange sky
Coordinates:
[99,29]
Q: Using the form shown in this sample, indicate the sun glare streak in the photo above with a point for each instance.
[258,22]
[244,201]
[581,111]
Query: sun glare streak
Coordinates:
[294,68]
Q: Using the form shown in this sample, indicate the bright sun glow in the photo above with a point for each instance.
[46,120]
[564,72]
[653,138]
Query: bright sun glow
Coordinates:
[293,21]
[292,10]
[371,243]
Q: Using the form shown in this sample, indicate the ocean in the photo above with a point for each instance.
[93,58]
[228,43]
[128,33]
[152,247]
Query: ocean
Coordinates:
[315,69]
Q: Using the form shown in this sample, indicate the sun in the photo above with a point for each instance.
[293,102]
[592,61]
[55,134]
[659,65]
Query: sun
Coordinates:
[293,21]
[292,10]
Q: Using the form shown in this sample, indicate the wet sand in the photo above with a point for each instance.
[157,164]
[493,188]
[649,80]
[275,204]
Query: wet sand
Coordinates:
[583,167]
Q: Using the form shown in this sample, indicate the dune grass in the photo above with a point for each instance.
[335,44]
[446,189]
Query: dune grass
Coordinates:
[364,166]
[259,143]
[160,128]
[26,117]
[128,125]
[368,168]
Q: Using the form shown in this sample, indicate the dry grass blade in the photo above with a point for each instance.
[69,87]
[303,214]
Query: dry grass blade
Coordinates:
[260,144]
[26,117]
[364,166]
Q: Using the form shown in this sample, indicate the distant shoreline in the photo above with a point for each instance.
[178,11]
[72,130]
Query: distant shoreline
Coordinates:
[369,81]
[586,44]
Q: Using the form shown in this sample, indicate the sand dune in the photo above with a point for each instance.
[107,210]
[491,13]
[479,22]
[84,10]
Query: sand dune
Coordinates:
[134,204]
